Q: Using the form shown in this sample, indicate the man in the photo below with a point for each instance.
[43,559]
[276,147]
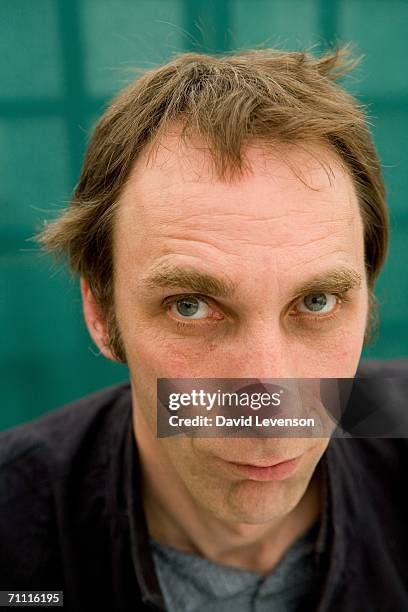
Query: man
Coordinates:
[229,222]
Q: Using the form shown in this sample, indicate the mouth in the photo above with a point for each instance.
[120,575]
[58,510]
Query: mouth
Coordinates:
[265,465]
[275,471]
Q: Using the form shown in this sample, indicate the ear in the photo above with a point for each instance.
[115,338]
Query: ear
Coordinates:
[95,320]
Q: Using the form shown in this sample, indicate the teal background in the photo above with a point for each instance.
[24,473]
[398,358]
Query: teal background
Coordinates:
[61,61]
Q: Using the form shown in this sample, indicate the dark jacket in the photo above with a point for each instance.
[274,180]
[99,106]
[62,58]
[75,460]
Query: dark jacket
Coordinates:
[72,518]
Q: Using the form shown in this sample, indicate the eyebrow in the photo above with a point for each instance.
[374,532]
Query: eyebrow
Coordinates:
[336,280]
[167,275]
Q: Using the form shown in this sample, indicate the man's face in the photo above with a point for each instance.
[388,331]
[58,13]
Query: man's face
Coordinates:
[285,224]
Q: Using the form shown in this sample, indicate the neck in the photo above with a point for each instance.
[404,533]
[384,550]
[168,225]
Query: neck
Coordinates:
[175,518]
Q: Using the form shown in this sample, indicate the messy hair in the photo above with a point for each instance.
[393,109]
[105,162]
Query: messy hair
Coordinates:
[264,96]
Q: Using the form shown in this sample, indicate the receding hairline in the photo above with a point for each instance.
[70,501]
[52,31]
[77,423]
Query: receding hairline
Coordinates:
[178,143]
[294,154]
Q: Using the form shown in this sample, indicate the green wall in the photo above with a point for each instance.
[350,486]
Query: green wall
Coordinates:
[60,62]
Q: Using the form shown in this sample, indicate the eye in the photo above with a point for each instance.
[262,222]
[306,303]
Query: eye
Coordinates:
[190,307]
[321,303]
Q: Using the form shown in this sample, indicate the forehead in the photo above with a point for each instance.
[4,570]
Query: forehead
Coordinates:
[290,199]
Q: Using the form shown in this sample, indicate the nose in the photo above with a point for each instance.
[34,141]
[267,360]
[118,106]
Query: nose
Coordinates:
[262,352]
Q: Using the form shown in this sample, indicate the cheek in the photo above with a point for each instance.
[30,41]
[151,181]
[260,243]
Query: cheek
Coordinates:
[158,356]
[335,355]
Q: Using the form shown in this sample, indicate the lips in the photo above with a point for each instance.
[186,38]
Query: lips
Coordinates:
[270,463]
[265,465]
[278,471]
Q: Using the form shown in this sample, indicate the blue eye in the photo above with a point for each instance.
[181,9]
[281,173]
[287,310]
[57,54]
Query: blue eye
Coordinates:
[191,308]
[317,303]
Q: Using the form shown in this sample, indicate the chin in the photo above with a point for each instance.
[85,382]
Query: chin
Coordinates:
[256,502]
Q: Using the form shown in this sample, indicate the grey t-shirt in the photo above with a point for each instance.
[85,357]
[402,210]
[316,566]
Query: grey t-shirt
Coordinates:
[191,583]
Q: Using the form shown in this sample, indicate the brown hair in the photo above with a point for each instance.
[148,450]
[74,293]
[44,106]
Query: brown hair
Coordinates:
[261,95]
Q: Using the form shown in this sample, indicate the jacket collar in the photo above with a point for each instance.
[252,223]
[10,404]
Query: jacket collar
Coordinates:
[343,502]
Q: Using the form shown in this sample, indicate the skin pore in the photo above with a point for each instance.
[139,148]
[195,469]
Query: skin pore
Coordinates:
[292,221]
